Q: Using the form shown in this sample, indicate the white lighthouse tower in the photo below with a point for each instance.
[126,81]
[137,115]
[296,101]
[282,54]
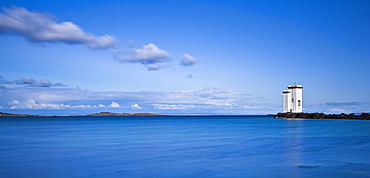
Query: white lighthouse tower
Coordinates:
[292,99]
[286,99]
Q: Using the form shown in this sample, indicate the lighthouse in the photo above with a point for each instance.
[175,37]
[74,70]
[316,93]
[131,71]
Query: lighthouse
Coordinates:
[292,99]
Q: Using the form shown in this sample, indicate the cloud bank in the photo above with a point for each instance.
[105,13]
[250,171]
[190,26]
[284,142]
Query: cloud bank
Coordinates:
[32,104]
[204,101]
[210,100]
[31,82]
[3,81]
[40,27]
[344,104]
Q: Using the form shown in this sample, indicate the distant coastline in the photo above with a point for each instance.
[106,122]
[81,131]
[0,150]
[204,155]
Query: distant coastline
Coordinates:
[362,116]
[96,114]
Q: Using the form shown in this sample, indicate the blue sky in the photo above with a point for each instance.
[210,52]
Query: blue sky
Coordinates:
[183,57]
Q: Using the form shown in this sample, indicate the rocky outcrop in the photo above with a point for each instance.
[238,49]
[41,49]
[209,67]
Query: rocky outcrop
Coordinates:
[2,114]
[362,116]
[123,114]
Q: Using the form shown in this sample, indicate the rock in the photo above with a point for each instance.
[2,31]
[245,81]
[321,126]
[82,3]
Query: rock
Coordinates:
[363,116]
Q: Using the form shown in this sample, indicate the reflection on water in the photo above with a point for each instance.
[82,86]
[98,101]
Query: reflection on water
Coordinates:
[228,146]
[293,144]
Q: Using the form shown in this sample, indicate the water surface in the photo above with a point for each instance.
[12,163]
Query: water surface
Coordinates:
[186,146]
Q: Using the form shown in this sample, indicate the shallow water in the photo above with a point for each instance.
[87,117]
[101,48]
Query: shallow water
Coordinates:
[191,146]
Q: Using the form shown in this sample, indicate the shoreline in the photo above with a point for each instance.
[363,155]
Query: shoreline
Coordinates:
[353,116]
[86,115]
[362,116]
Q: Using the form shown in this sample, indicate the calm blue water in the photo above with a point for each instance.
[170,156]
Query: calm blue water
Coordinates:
[207,146]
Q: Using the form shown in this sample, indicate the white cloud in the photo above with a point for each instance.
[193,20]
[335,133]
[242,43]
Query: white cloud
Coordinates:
[101,106]
[153,67]
[40,27]
[32,104]
[173,106]
[149,55]
[136,106]
[15,102]
[114,105]
[188,60]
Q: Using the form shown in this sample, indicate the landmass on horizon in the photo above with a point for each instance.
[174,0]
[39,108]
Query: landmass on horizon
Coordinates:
[362,116]
[76,115]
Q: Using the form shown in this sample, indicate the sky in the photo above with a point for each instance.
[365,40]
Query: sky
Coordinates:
[183,57]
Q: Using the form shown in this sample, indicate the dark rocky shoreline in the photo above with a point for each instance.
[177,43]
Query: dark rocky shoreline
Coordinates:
[362,116]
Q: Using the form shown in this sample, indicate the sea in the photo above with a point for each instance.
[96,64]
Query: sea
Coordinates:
[183,146]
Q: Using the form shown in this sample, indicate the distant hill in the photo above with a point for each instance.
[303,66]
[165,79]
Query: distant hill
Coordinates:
[115,114]
[96,114]
[16,115]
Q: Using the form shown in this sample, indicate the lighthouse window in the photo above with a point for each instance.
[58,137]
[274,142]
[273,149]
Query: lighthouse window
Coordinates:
[299,102]
[292,100]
